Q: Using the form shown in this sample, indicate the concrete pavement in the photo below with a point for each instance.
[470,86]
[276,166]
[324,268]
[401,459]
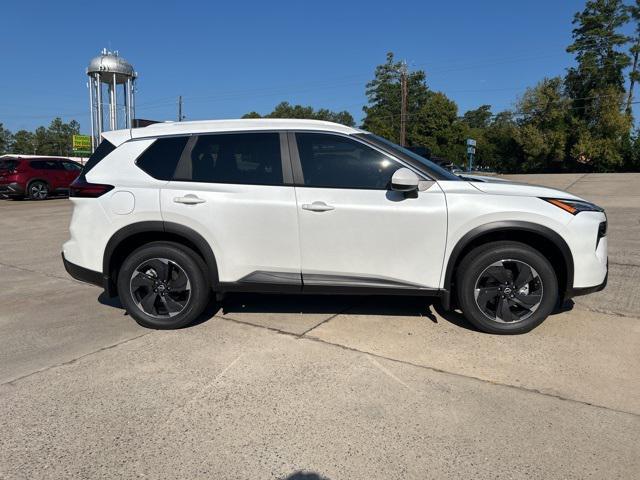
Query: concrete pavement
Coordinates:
[313,387]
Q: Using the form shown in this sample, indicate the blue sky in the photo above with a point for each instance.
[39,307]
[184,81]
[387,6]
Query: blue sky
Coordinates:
[228,58]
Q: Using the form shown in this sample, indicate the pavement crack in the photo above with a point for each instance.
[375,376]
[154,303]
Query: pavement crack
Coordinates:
[575,181]
[436,370]
[74,360]
[327,319]
[49,275]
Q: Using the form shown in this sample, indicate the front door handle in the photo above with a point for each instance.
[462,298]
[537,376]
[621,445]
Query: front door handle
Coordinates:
[189,199]
[317,207]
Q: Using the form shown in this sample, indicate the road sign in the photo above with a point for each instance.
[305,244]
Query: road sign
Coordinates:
[471,142]
[471,149]
[81,145]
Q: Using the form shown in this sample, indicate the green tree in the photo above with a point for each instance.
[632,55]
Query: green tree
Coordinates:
[599,128]
[382,114]
[435,125]
[286,110]
[478,118]
[497,147]
[542,132]
[596,45]
[23,143]
[6,140]
[432,118]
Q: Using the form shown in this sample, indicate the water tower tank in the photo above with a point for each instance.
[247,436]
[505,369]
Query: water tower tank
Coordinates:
[111,89]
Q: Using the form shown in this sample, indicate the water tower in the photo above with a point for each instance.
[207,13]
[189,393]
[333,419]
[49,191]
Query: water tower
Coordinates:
[111,93]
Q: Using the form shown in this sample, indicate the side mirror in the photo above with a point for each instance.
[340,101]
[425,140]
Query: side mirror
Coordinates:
[404,180]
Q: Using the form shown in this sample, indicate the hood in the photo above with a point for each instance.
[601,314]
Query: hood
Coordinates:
[503,187]
[480,178]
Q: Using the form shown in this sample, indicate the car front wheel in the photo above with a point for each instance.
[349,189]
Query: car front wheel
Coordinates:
[163,285]
[506,287]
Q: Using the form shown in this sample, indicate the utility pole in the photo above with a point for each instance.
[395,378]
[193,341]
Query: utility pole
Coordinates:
[633,75]
[180,116]
[403,103]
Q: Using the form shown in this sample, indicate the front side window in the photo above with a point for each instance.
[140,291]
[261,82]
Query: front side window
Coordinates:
[243,158]
[71,166]
[333,161]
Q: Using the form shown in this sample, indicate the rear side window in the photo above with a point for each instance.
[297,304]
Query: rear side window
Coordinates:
[332,161]
[46,165]
[242,158]
[161,158]
[8,164]
[104,149]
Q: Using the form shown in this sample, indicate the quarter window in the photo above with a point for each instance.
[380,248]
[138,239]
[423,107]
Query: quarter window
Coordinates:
[332,161]
[161,158]
[243,158]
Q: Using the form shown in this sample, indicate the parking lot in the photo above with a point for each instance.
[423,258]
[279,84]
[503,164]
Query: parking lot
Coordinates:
[314,387]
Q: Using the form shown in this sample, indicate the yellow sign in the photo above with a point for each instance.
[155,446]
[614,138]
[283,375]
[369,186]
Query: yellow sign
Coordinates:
[82,142]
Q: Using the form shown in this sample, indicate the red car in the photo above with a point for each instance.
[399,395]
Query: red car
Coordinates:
[36,177]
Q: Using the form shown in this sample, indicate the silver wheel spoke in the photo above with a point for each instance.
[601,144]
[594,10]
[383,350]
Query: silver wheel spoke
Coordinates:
[160,288]
[508,291]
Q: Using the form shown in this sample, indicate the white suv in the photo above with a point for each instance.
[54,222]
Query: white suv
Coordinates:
[167,214]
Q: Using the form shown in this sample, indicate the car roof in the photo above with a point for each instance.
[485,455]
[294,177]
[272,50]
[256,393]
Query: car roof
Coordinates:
[118,137]
[29,158]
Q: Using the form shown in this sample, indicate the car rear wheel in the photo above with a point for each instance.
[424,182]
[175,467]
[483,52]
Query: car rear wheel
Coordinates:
[163,285]
[38,190]
[506,287]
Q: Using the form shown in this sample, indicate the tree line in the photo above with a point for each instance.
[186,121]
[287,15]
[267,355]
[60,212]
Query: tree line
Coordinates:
[582,121]
[52,140]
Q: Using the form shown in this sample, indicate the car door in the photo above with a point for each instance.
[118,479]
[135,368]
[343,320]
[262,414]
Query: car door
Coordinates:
[354,230]
[236,190]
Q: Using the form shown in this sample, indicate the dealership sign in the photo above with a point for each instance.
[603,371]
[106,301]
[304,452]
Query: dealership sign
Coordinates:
[82,145]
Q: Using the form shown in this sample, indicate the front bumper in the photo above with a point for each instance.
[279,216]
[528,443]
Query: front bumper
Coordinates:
[83,274]
[577,292]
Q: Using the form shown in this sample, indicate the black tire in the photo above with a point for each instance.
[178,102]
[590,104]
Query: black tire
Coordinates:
[38,190]
[483,294]
[144,281]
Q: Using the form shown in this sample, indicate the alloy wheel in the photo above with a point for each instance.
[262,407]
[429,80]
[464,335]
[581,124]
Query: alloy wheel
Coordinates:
[160,288]
[508,291]
[39,191]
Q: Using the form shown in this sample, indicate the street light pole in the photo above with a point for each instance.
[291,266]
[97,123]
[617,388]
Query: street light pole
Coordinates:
[403,103]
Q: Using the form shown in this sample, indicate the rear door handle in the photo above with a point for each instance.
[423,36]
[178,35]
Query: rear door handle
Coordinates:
[189,199]
[317,207]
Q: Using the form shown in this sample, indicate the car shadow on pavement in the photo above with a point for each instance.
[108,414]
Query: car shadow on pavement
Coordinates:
[301,475]
[397,306]
[379,305]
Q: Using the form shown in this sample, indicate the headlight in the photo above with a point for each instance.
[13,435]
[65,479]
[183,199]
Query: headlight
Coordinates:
[574,207]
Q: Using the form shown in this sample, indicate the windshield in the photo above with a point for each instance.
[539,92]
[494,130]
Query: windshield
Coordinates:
[444,174]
